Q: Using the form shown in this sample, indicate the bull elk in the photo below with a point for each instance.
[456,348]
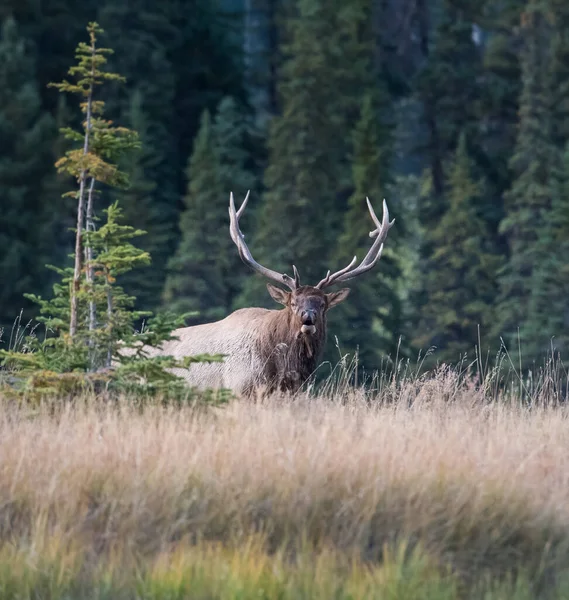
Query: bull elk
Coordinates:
[271,349]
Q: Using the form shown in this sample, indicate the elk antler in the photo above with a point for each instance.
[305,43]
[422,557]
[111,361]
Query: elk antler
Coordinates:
[245,254]
[373,255]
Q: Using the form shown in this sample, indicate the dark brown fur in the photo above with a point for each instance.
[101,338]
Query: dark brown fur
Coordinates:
[290,356]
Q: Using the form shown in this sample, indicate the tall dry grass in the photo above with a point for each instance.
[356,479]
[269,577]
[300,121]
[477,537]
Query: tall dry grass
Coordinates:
[348,490]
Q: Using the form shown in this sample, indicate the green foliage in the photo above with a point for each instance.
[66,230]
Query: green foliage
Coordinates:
[114,256]
[447,87]
[235,139]
[460,285]
[196,271]
[445,67]
[546,325]
[308,164]
[90,319]
[26,134]
[529,199]
[179,58]
[142,204]
[498,105]
[112,357]
[205,274]
[558,85]
[370,322]
[100,145]
[142,35]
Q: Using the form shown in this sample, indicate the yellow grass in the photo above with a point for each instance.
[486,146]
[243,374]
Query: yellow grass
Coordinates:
[337,490]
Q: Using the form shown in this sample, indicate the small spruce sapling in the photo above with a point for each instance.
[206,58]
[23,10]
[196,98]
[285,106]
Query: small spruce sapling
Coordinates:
[90,321]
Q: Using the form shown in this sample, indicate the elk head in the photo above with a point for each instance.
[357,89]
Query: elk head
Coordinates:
[307,304]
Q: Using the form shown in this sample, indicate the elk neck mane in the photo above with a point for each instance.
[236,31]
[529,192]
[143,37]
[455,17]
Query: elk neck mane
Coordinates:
[290,356]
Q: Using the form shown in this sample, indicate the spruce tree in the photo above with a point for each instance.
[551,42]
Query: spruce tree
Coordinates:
[195,279]
[142,35]
[99,145]
[206,273]
[546,325]
[448,87]
[558,12]
[529,199]
[142,207]
[26,135]
[89,320]
[180,58]
[460,285]
[354,74]
[298,219]
[235,137]
[499,103]
[371,321]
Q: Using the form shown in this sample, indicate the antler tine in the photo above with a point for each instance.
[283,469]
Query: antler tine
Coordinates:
[296,276]
[374,216]
[243,205]
[244,252]
[373,255]
[326,281]
[385,222]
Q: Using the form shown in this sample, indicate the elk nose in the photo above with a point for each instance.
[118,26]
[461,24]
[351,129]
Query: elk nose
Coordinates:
[307,317]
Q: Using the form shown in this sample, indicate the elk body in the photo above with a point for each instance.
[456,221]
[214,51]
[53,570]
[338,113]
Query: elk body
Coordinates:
[269,349]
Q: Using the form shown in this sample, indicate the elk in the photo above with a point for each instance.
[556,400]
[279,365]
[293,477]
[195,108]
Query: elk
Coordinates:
[270,349]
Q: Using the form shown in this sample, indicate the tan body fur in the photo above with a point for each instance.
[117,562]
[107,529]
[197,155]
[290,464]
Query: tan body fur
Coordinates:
[261,350]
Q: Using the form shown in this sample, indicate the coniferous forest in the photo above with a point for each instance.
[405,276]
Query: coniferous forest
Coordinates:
[454,111]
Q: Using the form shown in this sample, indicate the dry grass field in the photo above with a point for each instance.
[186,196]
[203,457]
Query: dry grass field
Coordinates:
[435,488]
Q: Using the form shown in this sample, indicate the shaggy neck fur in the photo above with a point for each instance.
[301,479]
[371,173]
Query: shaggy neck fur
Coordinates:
[289,355]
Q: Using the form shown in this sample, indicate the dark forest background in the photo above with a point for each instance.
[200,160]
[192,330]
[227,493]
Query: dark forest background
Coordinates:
[454,111]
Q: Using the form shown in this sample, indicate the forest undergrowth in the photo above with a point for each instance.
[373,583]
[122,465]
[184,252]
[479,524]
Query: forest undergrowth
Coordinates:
[434,486]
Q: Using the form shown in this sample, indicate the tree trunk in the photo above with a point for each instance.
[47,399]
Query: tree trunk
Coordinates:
[81,212]
[109,318]
[90,226]
[78,257]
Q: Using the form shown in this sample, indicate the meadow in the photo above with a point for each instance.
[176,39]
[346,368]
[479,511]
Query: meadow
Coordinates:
[437,487]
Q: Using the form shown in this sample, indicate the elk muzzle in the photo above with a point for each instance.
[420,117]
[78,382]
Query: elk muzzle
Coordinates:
[308,318]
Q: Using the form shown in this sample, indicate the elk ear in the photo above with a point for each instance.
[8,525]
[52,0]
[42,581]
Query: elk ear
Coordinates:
[337,297]
[278,295]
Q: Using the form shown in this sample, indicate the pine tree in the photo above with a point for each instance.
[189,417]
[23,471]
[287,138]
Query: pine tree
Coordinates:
[558,12]
[261,55]
[547,322]
[234,136]
[206,273]
[460,285]
[529,198]
[90,318]
[99,145]
[142,205]
[447,88]
[26,135]
[195,273]
[142,35]
[354,73]
[298,220]
[499,103]
[180,58]
[371,321]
